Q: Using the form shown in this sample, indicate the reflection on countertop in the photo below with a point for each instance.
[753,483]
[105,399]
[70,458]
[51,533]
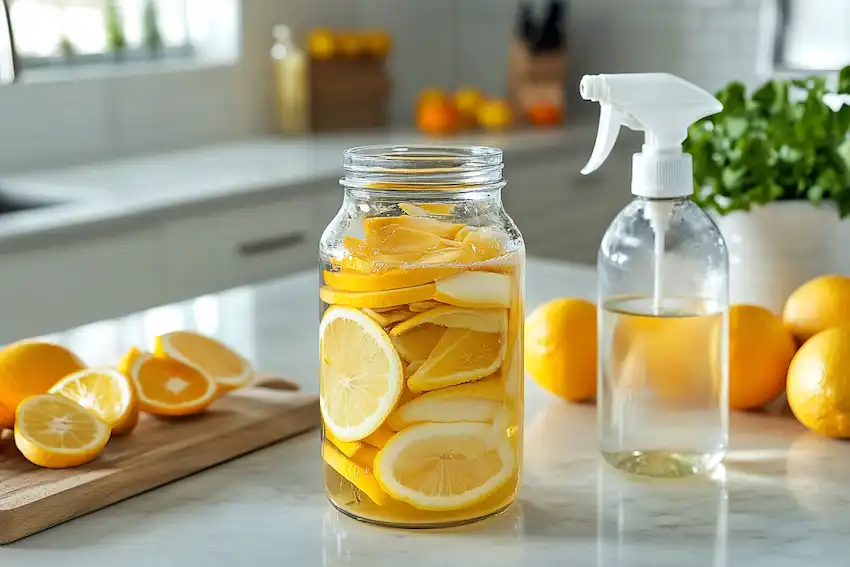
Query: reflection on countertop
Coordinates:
[780,500]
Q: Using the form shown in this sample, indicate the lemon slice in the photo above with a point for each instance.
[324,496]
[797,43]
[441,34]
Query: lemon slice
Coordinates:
[106,392]
[427,209]
[482,320]
[380,437]
[461,356]
[223,365]
[418,344]
[390,317]
[381,226]
[475,289]
[422,306]
[53,432]
[479,401]
[357,474]
[166,386]
[362,375]
[444,466]
[411,368]
[378,299]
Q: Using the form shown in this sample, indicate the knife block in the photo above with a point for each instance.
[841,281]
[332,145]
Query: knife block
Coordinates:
[349,93]
[536,78]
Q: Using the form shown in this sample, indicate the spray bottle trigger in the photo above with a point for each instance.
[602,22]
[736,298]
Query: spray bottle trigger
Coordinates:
[609,128]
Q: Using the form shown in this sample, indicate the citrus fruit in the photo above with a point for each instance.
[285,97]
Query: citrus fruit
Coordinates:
[486,243]
[105,391]
[391,317]
[321,44]
[476,401]
[421,306]
[377,43]
[760,350]
[377,299]
[384,279]
[399,239]
[427,209]
[362,375]
[7,417]
[461,355]
[437,117]
[349,44]
[31,367]
[560,348]
[417,344]
[483,320]
[411,368]
[359,452]
[818,387]
[53,432]
[166,386]
[444,466]
[475,289]
[125,366]
[223,365]
[817,305]
[358,475]
[380,437]
[466,101]
[377,228]
[494,115]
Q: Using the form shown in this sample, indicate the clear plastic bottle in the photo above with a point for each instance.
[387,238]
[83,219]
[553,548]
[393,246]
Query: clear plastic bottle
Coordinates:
[663,272]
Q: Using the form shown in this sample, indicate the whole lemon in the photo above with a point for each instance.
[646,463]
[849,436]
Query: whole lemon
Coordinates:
[321,44]
[817,305]
[760,350]
[28,368]
[818,384]
[560,348]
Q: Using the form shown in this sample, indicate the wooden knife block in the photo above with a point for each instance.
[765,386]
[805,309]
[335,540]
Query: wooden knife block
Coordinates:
[536,78]
[349,93]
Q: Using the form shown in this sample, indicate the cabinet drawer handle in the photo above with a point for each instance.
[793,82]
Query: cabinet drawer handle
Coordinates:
[270,244]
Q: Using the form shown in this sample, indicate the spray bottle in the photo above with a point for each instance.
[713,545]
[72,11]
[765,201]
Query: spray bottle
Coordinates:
[663,273]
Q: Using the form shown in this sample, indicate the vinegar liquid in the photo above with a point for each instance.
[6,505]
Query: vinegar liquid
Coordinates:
[663,399]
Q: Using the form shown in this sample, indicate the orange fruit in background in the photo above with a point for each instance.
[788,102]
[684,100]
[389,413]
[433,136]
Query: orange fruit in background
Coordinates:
[817,305]
[429,96]
[818,384]
[494,115]
[466,101]
[28,368]
[760,350]
[321,44]
[349,44]
[544,114]
[438,118]
[560,348]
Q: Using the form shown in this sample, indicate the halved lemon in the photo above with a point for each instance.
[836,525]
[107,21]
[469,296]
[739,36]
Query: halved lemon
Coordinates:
[461,356]
[358,475]
[224,365]
[387,318]
[444,466]
[378,299]
[483,320]
[475,289]
[106,392]
[166,386]
[361,373]
[477,401]
[53,432]
[417,344]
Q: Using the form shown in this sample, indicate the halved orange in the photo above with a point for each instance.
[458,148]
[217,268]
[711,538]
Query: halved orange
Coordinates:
[53,432]
[224,365]
[167,386]
[105,391]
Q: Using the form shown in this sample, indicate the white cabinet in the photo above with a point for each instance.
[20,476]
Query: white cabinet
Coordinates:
[107,275]
[230,247]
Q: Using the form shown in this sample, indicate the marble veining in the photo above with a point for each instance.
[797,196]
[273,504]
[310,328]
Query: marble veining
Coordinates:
[780,499]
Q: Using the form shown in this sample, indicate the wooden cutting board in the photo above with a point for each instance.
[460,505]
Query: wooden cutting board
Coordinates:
[159,451]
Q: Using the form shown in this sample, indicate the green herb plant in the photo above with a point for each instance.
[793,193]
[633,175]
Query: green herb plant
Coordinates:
[783,142]
[115,37]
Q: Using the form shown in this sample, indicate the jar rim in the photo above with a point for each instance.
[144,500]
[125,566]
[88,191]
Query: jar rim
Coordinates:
[423,167]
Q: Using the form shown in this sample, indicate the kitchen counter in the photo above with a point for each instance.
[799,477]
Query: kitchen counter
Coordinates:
[135,192]
[781,499]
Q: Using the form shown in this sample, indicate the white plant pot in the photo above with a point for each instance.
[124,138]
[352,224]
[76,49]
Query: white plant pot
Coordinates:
[775,248]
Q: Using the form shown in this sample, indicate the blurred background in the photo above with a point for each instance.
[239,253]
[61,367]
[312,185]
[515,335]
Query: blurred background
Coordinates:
[157,150]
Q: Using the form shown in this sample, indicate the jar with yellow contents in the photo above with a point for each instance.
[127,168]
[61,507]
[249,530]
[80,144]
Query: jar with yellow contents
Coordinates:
[421,373]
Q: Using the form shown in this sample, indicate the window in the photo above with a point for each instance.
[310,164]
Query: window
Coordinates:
[811,35]
[73,32]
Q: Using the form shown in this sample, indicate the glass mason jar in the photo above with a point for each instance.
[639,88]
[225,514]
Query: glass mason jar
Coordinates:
[663,317]
[421,372]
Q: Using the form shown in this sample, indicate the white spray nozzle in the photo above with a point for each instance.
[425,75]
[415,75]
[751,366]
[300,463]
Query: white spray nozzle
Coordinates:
[659,104]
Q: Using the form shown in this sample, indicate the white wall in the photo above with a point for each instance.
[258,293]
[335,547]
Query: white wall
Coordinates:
[438,43]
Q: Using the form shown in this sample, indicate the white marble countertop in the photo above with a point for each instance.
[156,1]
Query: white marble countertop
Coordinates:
[130,192]
[781,499]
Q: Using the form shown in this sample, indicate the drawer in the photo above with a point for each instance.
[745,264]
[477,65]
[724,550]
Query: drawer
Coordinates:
[240,246]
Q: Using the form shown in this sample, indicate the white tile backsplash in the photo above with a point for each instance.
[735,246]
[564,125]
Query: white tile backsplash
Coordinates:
[438,43]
